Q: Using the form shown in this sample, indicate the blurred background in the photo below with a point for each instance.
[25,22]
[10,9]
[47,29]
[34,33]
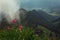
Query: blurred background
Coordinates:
[39,20]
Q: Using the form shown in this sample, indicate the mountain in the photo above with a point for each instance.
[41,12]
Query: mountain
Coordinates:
[35,18]
[40,16]
[55,11]
[22,14]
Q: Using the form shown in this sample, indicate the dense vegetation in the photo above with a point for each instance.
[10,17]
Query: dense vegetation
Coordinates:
[24,33]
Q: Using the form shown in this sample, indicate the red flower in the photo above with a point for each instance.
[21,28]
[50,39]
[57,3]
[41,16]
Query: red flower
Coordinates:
[10,27]
[14,21]
[20,27]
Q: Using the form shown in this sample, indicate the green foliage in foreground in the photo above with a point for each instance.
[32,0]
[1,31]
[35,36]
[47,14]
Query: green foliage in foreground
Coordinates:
[15,34]
[25,34]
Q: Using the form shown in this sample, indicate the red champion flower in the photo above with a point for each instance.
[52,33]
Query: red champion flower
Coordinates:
[14,21]
[20,27]
[10,27]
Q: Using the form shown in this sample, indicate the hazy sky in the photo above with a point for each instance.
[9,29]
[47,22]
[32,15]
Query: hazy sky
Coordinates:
[29,4]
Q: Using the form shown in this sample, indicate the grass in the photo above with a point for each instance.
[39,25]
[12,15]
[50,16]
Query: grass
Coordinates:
[24,34]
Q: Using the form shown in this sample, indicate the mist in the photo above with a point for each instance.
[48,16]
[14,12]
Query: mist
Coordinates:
[10,9]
